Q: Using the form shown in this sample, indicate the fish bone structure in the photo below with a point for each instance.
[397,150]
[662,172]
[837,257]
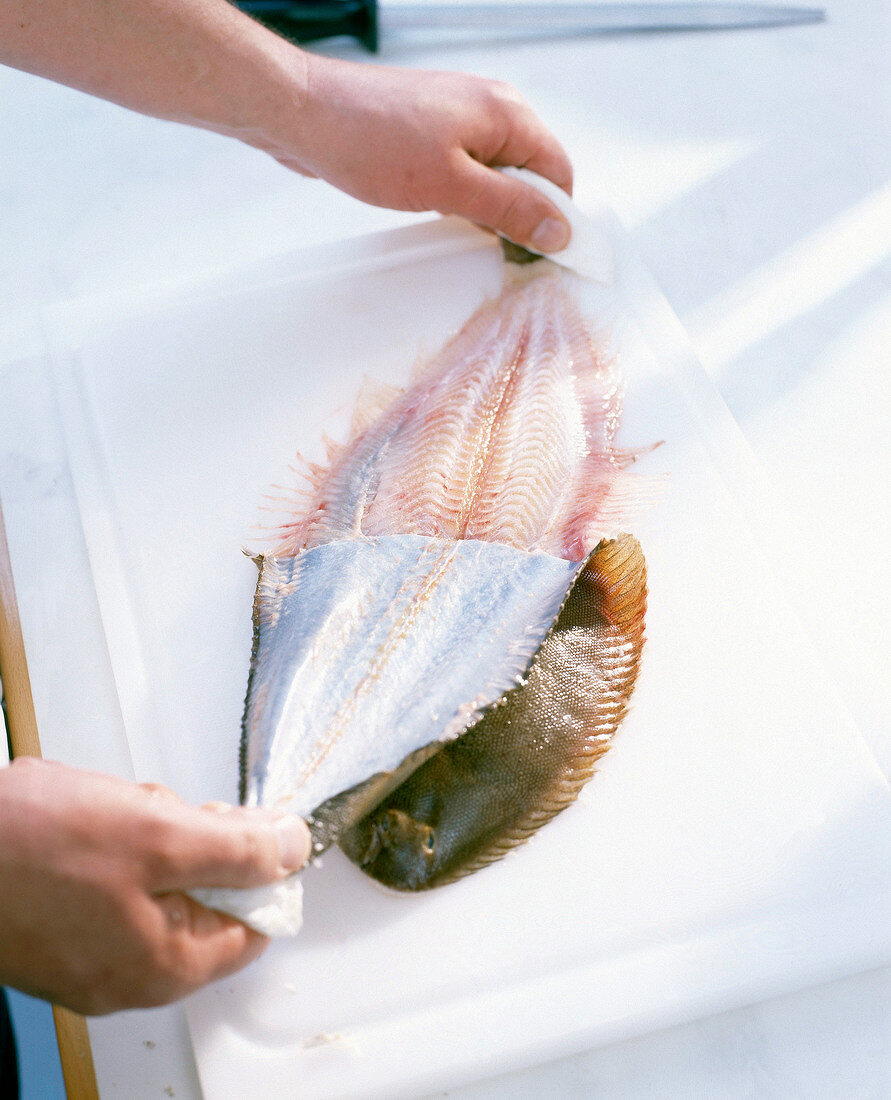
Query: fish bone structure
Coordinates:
[507,436]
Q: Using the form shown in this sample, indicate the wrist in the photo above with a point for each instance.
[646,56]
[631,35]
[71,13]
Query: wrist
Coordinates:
[286,119]
[262,104]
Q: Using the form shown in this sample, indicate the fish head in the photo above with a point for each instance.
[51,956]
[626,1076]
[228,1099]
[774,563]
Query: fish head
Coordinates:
[399,850]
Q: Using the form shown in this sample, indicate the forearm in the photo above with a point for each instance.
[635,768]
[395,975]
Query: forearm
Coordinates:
[201,62]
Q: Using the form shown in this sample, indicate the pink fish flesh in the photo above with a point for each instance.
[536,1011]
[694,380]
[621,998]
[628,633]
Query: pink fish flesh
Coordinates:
[507,436]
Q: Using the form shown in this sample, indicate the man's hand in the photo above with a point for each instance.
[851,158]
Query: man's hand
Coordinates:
[417,140]
[408,139]
[92,869]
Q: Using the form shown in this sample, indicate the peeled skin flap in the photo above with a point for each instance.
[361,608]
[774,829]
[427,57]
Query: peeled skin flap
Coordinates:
[368,654]
[368,649]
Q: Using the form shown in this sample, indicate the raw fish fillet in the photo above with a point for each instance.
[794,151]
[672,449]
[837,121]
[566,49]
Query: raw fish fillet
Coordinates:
[507,436]
[449,628]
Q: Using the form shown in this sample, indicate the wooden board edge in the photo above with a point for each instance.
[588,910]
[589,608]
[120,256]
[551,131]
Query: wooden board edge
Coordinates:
[72,1036]
[75,1054]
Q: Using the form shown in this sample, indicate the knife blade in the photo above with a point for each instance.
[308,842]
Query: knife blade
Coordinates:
[366,20]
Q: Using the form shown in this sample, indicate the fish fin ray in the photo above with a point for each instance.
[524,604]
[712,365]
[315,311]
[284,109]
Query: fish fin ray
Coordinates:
[373,399]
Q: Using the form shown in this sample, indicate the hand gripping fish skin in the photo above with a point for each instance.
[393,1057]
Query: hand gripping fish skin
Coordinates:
[527,758]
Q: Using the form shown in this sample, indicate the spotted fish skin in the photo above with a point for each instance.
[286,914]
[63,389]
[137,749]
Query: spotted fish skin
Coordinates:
[507,436]
[527,758]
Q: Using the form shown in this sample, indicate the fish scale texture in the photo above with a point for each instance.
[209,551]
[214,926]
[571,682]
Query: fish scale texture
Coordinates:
[528,758]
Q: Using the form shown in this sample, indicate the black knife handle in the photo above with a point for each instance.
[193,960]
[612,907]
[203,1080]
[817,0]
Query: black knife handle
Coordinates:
[310,20]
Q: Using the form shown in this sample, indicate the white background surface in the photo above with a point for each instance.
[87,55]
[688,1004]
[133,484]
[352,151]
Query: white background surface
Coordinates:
[752,171]
[738,788]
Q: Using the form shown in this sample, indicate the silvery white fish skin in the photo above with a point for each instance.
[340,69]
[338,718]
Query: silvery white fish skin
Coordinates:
[457,558]
[372,643]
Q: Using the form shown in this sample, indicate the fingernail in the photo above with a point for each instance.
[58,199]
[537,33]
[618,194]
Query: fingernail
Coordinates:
[294,842]
[550,235]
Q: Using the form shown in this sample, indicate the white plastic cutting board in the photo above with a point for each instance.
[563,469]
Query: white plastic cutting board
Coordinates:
[736,841]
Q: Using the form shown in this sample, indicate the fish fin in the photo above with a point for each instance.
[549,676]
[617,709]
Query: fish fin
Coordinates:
[629,497]
[311,473]
[626,456]
[295,505]
[333,451]
[419,367]
[606,506]
[262,617]
[373,399]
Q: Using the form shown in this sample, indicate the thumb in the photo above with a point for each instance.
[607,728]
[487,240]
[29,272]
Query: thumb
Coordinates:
[510,207]
[236,847]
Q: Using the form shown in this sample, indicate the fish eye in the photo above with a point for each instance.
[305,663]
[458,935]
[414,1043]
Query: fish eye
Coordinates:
[429,841]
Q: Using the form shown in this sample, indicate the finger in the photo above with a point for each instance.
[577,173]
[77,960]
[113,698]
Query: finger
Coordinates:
[521,139]
[240,848]
[510,207]
[553,164]
[160,792]
[533,146]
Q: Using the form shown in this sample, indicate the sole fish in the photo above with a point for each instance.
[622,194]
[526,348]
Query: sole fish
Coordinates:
[449,628]
[507,437]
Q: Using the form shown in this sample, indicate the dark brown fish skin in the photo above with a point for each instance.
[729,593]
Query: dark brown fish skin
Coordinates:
[333,818]
[526,759]
[517,254]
